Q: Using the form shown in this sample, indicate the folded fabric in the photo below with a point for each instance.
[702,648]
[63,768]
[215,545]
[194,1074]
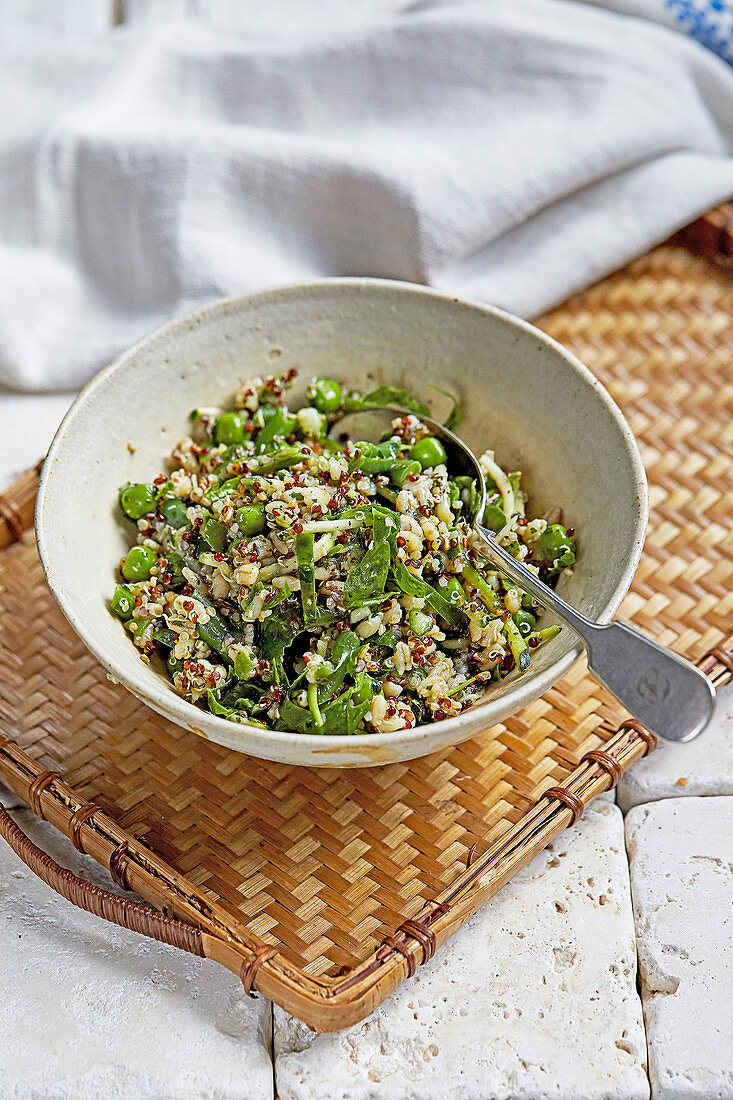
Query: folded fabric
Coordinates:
[512,152]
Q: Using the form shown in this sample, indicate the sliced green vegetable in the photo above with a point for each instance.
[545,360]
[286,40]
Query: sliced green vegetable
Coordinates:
[517,645]
[485,591]
[123,602]
[244,663]
[306,574]
[277,424]
[557,547]
[224,488]
[420,623]
[401,471]
[229,429]
[313,705]
[546,634]
[375,458]
[525,622]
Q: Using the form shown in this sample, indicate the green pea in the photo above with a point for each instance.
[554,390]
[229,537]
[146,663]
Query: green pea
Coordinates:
[494,518]
[123,602]
[138,563]
[428,452]
[326,394]
[251,519]
[137,500]
[214,532]
[451,590]
[525,622]
[174,512]
[420,623]
[229,429]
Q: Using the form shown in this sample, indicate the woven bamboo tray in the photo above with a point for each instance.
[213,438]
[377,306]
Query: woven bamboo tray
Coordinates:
[325,889]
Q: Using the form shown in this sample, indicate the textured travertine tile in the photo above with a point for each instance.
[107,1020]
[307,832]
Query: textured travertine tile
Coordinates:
[91,1011]
[535,997]
[681,854]
[8,799]
[701,767]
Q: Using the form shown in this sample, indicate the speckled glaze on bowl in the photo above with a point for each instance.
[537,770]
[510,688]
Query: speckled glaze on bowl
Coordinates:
[524,395]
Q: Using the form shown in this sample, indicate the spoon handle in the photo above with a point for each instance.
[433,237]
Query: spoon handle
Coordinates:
[664,692]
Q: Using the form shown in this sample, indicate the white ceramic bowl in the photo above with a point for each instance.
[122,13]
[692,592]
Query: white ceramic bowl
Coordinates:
[524,395]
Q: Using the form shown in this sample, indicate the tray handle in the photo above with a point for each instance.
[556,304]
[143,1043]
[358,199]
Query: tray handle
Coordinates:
[102,903]
[17,505]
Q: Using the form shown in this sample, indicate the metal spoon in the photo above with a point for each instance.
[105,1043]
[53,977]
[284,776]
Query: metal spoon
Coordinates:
[664,692]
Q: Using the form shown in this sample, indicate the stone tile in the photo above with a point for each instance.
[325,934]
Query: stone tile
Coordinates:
[8,799]
[700,767]
[535,997]
[681,854]
[89,1010]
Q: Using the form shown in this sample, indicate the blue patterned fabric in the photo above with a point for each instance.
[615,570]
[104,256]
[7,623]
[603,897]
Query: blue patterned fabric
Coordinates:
[709,21]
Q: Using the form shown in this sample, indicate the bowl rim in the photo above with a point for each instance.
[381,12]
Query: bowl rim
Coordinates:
[181,711]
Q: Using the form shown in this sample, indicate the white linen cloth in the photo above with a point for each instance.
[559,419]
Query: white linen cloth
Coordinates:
[507,151]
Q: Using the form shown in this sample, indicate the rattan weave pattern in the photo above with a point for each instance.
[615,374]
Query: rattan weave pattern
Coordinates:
[325,865]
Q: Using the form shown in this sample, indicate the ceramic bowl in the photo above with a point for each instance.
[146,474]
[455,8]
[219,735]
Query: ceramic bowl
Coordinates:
[524,395]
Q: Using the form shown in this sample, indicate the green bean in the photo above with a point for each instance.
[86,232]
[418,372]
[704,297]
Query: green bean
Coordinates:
[485,591]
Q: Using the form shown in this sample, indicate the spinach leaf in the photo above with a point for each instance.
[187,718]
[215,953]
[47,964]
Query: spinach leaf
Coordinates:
[344,653]
[277,632]
[368,578]
[342,716]
[416,586]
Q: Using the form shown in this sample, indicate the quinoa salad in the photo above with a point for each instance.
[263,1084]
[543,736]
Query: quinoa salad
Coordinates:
[292,582]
